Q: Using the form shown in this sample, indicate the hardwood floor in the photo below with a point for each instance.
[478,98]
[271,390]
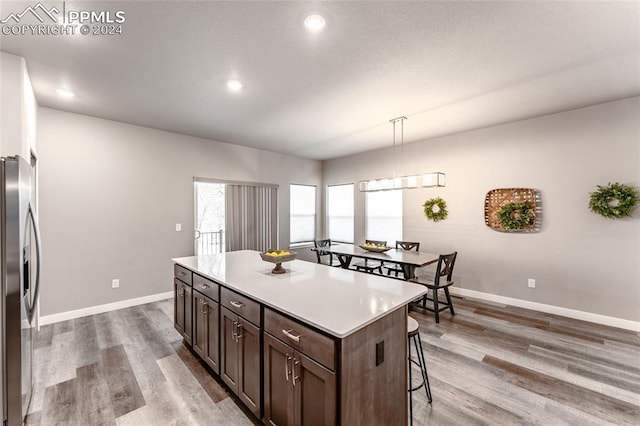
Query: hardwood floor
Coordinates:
[489,364]
[493,364]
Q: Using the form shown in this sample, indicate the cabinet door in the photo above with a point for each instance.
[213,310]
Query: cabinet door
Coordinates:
[178,306]
[228,349]
[212,347]
[278,389]
[199,339]
[314,390]
[249,365]
[188,318]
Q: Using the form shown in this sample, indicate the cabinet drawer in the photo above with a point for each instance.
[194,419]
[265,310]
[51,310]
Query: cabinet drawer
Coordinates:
[183,274]
[315,345]
[206,287]
[241,305]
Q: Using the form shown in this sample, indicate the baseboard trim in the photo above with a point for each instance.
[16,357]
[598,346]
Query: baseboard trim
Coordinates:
[549,309]
[98,309]
[457,291]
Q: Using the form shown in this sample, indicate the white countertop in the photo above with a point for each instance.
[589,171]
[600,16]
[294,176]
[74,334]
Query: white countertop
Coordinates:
[335,300]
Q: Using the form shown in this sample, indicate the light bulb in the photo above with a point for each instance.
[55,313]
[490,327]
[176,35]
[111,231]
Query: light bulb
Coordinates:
[314,23]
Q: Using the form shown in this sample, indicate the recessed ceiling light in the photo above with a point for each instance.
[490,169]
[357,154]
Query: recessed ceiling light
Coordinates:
[234,85]
[314,23]
[65,93]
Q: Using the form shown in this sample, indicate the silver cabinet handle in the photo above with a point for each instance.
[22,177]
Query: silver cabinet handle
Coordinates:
[182,274]
[293,371]
[233,332]
[204,305]
[238,331]
[236,303]
[203,286]
[291,336]
[286,367]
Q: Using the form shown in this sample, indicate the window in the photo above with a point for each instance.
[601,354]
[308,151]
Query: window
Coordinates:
[232,215]
[210,217]
[302,206]
[340,212]
[384,216]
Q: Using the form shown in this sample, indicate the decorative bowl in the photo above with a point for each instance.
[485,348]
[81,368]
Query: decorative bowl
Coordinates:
[269,256]
[375,249]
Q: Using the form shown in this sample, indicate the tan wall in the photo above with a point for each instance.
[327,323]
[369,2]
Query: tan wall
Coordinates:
[580,260]
[111,194]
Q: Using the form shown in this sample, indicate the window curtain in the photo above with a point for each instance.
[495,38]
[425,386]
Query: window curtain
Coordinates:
[251,218]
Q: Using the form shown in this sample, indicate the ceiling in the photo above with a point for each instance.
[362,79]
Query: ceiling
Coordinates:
[447,66]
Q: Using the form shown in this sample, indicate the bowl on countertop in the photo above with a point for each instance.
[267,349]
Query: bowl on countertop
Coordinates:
[268,256]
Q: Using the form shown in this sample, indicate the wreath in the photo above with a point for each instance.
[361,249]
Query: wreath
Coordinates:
[516,215]
[614,200]
[435,209]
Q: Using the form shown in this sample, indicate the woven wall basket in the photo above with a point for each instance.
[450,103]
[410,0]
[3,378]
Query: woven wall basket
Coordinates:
[496,198]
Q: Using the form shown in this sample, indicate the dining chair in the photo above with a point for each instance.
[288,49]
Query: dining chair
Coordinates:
[370,266]
[321,255]
[444,269]
[401,245]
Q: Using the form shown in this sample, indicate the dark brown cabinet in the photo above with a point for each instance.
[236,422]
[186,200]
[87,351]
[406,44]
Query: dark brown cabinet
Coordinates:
[205,340]
[182,309]
[284,367]
[297,390]
[240,358]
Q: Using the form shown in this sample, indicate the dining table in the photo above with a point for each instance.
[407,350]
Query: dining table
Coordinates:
[408,260]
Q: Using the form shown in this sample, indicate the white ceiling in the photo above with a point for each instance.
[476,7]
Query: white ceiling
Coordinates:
[447,66]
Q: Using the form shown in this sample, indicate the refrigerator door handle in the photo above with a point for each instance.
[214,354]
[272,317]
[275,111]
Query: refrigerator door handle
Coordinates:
[36,234]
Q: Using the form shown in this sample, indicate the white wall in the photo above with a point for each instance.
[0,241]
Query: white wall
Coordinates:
[580,260]
[18,108]
[111,194]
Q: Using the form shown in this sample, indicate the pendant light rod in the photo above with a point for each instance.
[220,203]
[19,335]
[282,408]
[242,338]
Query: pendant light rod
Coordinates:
[394,121]
[424,180]
[394,149]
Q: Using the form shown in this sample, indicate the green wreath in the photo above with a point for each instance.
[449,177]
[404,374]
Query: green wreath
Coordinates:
[516,215]
[614,200]
[440,213]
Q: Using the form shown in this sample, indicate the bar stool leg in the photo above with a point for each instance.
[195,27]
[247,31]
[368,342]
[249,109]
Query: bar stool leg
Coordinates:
[423,367]
[410,385]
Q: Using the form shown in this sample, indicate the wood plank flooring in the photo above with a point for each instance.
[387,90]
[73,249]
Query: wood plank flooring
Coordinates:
[494,364]
[488,365]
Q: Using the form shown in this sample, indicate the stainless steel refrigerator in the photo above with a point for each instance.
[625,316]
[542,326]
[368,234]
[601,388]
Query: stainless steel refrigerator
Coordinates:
[20,276]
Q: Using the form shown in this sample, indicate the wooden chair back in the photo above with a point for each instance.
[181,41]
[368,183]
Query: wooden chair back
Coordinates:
[408,245]
[445,266]
[319,244]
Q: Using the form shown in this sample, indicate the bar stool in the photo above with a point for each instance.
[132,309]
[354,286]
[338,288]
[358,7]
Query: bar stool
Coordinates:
[414,335]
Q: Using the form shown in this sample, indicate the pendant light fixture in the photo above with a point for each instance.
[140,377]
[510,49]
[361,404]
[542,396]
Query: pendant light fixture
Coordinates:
[425,180]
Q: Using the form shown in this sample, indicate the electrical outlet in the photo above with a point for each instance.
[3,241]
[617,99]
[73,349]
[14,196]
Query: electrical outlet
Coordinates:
[532,283]
[115,283]
[178,227]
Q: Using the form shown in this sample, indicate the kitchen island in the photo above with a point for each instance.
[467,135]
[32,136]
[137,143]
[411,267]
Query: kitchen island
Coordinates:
[315,345]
